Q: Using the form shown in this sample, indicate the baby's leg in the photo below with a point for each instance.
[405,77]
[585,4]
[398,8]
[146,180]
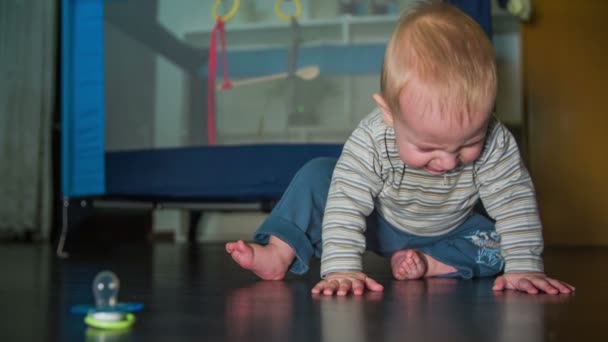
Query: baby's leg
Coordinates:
[291,235]
[472,250]
[409,258]
[412,264]
[269,262]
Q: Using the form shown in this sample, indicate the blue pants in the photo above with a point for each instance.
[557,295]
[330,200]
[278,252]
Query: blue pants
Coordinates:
[472,248]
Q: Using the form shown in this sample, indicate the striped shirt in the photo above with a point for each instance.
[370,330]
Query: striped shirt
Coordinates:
[370,175]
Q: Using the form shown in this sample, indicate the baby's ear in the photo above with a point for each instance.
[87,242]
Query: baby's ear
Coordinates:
[387,115]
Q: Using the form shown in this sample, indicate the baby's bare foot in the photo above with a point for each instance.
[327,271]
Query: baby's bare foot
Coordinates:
[411,264]
[269,262]
[408,264]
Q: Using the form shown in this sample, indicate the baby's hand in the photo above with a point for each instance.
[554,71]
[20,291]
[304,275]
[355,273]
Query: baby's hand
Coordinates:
[343,283]
[531,283]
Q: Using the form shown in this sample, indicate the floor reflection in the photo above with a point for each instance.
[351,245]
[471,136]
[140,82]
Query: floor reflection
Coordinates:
[100,335]
[523,316]
[440,309]
[347,318]
[436,310]
[263,309]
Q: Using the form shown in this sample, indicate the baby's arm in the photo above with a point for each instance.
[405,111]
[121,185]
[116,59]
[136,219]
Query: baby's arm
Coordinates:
[355,182]
[507,193]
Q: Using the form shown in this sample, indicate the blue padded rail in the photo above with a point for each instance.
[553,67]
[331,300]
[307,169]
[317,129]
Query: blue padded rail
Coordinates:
[217,173]
[82,98]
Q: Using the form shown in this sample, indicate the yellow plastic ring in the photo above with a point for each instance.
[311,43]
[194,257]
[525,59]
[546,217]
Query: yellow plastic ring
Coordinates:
[283,16]
[230,14]
[110,325]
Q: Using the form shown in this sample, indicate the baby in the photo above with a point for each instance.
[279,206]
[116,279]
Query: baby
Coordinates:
[409,177]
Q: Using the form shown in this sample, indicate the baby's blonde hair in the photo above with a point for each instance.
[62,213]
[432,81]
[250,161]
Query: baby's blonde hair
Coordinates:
[442,55]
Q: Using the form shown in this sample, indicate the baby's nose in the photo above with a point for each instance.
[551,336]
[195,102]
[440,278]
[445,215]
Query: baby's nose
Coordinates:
[448,162]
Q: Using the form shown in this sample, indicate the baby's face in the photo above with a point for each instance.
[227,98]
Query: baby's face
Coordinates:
[436,144]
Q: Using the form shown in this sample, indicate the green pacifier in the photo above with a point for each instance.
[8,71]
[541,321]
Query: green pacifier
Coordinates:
[107,314]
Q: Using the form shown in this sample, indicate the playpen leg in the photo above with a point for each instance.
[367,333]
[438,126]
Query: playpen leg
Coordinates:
[64,229]
[195,218]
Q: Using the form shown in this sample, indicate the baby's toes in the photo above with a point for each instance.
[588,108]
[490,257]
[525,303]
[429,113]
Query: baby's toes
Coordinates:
[401,271]
[415,263]
[419,269]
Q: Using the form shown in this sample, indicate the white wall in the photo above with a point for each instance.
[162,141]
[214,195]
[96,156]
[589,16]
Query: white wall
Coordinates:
[509,101]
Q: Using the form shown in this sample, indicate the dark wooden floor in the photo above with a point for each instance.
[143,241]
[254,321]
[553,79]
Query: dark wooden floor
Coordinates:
[198,294]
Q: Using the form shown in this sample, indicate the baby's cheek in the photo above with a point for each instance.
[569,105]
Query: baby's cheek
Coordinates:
[470,156]
[414,160]
[411,157]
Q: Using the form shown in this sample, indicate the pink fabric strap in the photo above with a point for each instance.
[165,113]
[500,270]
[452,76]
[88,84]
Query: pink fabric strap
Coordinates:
[211,76]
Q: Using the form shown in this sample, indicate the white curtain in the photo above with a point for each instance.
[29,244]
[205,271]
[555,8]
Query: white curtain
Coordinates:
[28,55]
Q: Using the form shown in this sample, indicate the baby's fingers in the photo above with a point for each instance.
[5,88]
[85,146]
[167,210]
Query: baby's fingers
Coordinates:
[526,285]
[327,287]
[561,286]
[317,288]
[551,286]
[500,284]
[344,287]
[358,287]
[544,285]
[373,285]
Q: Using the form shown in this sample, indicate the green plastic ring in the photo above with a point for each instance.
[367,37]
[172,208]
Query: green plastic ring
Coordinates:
[117,325]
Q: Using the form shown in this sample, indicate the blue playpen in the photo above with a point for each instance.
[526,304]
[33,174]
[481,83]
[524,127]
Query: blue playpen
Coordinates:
[237,173]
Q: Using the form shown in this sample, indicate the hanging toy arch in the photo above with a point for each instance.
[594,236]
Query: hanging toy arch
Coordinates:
[231,13]
[278,9]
